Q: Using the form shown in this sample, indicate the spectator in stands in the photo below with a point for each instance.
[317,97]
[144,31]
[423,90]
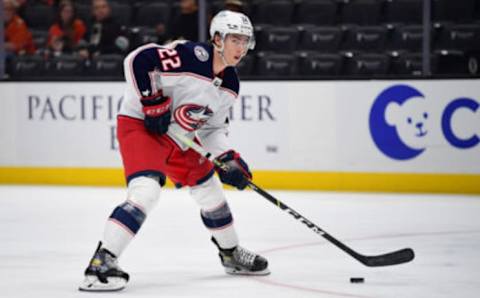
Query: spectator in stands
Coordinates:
[18,38]
[67,31]
[104,35]
[234,5]
[185,25]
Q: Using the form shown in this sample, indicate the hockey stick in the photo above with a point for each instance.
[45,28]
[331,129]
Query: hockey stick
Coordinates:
[393,258]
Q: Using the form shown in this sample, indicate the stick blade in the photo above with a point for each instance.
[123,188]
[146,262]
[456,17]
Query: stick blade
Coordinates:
[393,258]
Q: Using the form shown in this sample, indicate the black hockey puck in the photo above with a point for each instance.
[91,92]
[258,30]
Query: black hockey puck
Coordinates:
[357,280]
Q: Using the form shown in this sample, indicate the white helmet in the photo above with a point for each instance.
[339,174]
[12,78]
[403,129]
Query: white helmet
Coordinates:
[230,22]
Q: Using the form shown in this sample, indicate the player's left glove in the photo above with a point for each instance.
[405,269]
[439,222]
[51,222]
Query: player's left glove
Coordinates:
[237,173]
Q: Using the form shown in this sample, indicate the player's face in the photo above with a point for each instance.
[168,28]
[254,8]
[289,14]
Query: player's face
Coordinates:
[236,46]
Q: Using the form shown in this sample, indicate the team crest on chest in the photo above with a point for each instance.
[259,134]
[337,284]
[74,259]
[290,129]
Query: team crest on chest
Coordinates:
[201,53]
[191,116]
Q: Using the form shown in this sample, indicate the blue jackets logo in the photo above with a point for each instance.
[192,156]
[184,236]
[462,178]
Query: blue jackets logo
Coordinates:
[402,127]
[191,116]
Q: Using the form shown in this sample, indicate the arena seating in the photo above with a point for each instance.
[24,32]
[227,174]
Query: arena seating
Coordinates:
[295,38]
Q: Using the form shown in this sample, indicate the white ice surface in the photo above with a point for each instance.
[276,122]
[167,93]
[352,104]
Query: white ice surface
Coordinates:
[48,234]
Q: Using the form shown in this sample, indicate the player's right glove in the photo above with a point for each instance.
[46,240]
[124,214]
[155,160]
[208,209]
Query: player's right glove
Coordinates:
[157,113]
[236,172]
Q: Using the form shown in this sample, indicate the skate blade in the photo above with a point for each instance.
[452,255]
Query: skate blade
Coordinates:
[236,271]
[93,284]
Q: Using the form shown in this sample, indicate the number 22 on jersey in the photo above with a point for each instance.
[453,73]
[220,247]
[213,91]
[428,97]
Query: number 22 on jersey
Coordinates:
[170,59]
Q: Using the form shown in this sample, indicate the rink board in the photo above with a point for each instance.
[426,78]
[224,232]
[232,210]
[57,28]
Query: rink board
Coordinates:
[333,135]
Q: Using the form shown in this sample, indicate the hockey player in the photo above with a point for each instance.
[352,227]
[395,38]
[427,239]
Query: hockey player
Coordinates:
[183,88]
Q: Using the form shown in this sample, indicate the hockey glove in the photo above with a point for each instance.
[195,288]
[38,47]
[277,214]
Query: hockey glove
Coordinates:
[157,114]
[236,173]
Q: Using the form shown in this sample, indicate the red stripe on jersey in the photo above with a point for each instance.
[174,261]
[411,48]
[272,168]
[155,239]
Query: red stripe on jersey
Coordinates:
[122,226]
[197,76]
[191,74]
[229,91]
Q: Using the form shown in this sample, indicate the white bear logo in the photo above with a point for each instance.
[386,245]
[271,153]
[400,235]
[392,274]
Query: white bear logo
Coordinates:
[411,121]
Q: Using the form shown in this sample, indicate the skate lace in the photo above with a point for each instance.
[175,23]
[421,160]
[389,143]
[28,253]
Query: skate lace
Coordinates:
[244,256]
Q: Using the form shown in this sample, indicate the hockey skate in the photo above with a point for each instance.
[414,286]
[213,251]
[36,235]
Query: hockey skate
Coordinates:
[240,261]
[103,273]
